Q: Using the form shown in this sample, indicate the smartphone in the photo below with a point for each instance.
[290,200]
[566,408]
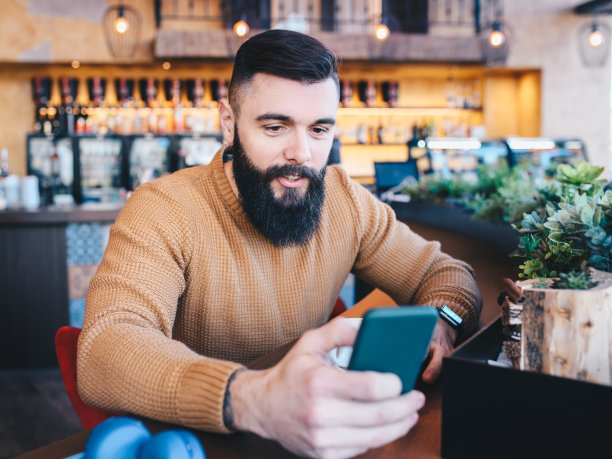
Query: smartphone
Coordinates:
[394,340]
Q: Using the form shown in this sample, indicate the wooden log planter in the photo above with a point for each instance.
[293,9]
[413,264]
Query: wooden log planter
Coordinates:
[568,333]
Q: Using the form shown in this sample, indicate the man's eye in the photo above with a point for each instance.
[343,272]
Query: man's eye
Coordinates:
[273,129]
[319,130]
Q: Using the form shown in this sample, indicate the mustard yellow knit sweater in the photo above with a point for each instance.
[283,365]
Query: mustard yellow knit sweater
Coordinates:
[188,290]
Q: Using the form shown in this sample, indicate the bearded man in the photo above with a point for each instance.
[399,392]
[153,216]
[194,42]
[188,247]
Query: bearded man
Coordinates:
[214,266]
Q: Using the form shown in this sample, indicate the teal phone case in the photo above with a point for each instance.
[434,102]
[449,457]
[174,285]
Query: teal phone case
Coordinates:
[394,340]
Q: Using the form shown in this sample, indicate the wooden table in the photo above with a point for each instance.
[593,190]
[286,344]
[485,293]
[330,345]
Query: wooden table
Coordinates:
[422,442]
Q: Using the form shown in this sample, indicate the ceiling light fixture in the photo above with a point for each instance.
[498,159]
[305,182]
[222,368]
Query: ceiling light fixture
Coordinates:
[241,28]
[596,38]
[495,41]
[122,30]
[121,24]
[594,43]
[382,32]
[496,38]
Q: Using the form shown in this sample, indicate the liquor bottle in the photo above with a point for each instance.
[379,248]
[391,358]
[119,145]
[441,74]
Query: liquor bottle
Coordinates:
[148,91]
[47,127]
[80,114]
[362,134]
[172,90]
[70,121]
[55,165]
[476,94]
[68,89]
[178,119]
[468,102]
[371,94]
[347,93]
[51,125]
[372,135]
[195,91]
[124,87]
[97,89]
[460,98]
[218,89]
[41,93]
[40,117]
[62,121]
[4,164]
[416,144]
[362,90]
[389,92]
[451,100]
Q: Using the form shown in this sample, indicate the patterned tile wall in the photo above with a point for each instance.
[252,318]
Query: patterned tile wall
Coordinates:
[85,245]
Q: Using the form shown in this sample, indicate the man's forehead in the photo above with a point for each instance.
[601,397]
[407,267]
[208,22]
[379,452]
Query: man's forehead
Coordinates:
[266,81]
[271,94]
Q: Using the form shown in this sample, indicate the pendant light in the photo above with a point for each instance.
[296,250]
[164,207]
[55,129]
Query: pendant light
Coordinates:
[594,43]
[495,43]
[122,30]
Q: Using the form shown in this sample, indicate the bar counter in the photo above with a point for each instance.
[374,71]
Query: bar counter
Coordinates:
[34,284]
[56,215]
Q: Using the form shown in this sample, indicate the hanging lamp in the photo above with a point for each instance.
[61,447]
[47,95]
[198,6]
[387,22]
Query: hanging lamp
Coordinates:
[594,43]
[122,30]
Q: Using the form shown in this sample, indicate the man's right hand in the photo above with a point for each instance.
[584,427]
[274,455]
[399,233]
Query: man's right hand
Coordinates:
[314,409]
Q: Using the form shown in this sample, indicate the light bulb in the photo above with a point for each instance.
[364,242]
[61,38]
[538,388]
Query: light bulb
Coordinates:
[121,25]
[596,38]
[496,38]
[241,28]
[382,32]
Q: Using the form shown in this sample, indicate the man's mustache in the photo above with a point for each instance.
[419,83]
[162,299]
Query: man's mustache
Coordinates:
[292,169]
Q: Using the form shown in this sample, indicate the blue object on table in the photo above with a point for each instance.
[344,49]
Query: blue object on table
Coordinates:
[127,438]
[175,444]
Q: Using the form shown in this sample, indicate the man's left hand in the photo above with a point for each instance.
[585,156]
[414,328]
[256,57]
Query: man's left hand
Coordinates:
[442,342]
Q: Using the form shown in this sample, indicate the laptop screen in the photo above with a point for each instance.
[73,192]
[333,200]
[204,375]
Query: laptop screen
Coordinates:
[390,174]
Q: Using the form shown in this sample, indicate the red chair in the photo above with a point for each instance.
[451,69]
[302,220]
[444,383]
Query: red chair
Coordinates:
[339,308]
[66,340]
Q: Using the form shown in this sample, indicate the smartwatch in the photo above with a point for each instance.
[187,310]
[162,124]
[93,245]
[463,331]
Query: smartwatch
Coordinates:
[450,317]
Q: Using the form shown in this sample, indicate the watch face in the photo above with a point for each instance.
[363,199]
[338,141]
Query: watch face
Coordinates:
[450,317]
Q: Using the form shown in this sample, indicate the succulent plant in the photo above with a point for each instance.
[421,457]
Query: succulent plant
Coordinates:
[574,280]
[582,176]
[575,232]
[543,282]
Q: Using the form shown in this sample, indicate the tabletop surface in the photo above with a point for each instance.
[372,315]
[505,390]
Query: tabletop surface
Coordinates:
[423,441]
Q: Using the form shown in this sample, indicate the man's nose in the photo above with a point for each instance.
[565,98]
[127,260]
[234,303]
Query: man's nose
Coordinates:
[298,151]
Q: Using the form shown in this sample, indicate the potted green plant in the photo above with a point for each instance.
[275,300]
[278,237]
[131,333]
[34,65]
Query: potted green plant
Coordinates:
[565,251]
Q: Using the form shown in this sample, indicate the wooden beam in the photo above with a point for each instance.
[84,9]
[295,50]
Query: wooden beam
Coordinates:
[194,44]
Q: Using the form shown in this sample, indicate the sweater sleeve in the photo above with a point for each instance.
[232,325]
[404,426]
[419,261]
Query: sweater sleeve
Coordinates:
[409,268]
[127,359]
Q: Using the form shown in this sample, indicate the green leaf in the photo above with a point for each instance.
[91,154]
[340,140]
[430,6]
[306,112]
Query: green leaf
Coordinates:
[586,215]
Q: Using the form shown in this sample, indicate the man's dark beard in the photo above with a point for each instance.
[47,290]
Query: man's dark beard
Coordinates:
[290,220]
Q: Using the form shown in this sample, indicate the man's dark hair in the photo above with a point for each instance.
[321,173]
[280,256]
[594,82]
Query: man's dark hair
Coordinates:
[285,54]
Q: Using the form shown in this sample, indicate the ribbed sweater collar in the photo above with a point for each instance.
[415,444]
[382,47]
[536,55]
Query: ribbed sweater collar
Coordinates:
[230,200]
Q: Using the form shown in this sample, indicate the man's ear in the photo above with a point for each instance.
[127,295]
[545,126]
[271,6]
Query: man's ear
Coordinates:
[227,121]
